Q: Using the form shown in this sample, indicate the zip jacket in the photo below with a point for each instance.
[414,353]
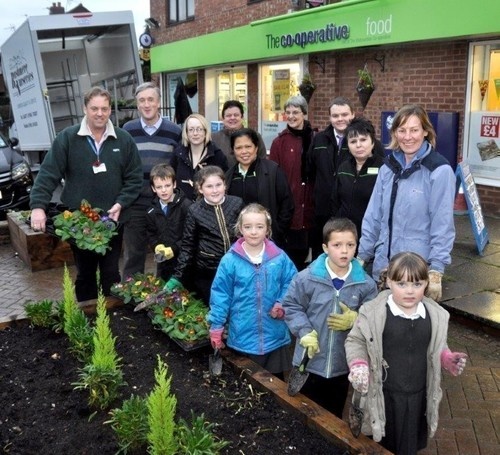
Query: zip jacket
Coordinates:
[310,299]
[243,295]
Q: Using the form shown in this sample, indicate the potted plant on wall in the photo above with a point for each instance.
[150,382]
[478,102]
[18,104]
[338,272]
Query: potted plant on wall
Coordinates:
[365,86]
[307,87]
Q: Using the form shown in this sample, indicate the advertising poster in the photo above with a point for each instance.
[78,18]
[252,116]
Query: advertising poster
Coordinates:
[484,144]
[281,88]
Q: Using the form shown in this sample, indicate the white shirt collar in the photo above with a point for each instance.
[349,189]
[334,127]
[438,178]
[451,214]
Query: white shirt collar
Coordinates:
[396,311]
[151,129]
[85,130]
[333,274]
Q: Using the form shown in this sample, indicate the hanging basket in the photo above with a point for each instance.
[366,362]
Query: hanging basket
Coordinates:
[365,86]
[306,91]
[364,95]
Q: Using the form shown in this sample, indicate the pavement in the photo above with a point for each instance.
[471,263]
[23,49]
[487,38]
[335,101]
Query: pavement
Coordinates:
[470,410]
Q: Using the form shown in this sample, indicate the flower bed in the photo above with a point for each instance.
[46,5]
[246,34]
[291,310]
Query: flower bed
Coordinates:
[42,413]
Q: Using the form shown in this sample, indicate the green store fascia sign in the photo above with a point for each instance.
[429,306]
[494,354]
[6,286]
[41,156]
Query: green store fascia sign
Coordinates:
[344,25]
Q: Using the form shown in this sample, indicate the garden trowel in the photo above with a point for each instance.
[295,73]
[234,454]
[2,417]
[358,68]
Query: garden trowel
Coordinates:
[298,376]
[215,363]
[355,414]
[151,299]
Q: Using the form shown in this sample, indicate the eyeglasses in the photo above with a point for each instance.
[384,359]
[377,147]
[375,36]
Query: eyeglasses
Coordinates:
[293,113]
[195,130]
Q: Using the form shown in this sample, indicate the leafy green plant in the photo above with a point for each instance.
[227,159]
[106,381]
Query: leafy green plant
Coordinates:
[86,228]
[307,81]
[365,81]
[130,424]
[137,287]
[161,408]
[75,324]
[102,376]
[180,315]
[58,317]
[197,438]
[41,313]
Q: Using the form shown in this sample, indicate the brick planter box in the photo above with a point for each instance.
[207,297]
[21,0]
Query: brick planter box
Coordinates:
[39,251]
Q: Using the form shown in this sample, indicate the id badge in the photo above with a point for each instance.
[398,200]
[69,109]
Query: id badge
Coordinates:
[100,168]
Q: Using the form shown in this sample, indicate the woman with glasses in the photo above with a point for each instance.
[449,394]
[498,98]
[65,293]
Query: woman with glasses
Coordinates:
[195,152]
[289,150]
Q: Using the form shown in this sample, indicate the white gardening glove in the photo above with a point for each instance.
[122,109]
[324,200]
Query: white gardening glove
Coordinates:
[434,290]
[359,376]
[310,342]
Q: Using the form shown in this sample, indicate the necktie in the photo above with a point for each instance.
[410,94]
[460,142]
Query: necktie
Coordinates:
[165,209]
[337,283]
[339,140]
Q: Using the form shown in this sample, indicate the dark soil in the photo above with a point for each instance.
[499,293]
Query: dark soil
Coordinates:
[41,413]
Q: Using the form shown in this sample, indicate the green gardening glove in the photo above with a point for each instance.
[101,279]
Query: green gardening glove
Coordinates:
[172,285]
[310,342]
[343,321]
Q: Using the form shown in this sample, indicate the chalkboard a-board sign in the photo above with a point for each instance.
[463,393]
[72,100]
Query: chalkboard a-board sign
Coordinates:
[465,179]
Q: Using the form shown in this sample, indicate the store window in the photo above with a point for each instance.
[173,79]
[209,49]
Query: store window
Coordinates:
[278,83]
[482,143]
[231,85]
[180,95]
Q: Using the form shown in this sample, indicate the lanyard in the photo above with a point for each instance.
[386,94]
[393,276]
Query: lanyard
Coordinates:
[95,149]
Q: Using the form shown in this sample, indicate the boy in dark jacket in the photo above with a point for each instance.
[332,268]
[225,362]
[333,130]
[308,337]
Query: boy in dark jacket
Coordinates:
[165,219]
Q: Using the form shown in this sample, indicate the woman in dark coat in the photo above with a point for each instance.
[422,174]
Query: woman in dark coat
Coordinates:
[357,174]
[289,150]
[259,180]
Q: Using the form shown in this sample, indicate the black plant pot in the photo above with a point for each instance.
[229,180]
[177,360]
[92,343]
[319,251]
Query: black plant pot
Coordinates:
[306,91]
[364,95]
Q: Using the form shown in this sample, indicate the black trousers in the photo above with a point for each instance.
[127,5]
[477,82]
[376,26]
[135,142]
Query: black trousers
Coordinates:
[135,238]
[328,393]
[87,263]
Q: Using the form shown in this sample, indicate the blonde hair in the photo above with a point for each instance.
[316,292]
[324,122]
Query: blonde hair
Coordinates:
[204,124]
[402,117]
[253,208]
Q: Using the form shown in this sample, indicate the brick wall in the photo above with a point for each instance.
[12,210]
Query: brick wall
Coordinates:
[490,200]
[433,75]
[212,16]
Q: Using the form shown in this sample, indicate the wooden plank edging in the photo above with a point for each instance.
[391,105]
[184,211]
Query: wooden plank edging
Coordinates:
[307,411]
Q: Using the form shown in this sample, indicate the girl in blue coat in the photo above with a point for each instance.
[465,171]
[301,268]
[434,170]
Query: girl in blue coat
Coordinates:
[250,283]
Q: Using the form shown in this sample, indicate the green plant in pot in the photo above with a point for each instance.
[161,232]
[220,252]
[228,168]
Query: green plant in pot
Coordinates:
[307,87]
[365,86]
